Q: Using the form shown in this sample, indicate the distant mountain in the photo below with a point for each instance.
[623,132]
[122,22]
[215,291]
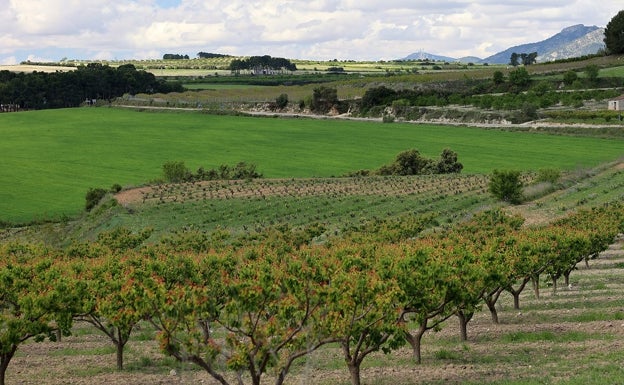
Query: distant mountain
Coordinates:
[574,41]
[428,56]
[468,59]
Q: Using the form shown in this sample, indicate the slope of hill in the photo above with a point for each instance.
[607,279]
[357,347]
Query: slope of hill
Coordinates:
[577,40]
[428,56]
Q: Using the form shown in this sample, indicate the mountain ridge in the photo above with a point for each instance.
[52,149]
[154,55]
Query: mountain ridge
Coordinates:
[573,41]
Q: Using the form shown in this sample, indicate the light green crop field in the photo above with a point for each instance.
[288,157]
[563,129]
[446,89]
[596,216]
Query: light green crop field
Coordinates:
[51,158]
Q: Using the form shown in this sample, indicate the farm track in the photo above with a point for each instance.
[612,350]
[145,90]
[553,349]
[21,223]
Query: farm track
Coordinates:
[540,343]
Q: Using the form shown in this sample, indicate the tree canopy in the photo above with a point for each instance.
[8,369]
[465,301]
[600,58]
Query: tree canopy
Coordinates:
[260,64]
[40,90]
[614,34]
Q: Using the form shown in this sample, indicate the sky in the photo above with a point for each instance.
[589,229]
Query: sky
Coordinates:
[52,30]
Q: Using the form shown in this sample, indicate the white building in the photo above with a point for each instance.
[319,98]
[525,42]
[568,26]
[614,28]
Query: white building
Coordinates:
[617,104]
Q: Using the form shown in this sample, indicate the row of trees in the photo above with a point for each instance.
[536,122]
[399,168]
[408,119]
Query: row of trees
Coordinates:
[177,172]
[40,90]
[175,56]
[240,313]
[411,162]
[523,58]
[262,64]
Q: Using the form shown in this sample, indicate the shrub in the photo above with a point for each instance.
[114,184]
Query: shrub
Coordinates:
[281,101]
[570,77]
[175,172]
[93,197]
[506,186]
[551,175]
[116,188]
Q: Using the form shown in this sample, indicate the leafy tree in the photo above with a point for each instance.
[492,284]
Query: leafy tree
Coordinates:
[408,162]
[175,172]
[569,77]
[519,77]
[362,304]
[592,71]
[528,58]
[614,34]
[36,299]
[514,59]
[506,186]
[448,163]
[498,77]
[324,99]
[281,101]
[266,303]
[93,197]
[378,96]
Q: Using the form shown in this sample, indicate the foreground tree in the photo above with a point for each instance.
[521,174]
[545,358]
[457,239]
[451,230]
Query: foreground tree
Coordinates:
[614,34]
[35,300]
[506,186]
[362,308]
[250,312]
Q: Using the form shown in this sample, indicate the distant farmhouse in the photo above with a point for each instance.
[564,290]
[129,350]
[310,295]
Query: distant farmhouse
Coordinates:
[617,104]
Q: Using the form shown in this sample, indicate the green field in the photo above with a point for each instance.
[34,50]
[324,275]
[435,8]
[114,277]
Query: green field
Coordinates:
[50,158]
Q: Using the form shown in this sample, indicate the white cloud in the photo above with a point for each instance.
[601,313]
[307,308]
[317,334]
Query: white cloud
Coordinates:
[324,29]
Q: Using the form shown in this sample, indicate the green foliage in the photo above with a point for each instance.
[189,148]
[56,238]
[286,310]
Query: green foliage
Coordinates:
[506,186]
[519,77]
[591,72]
[551,175]
[42,90]
[614,34]
[570,77]
[411,162]
[498,77]
[93,197]
[175,172]
[281,101]
[116,188]
[324,99]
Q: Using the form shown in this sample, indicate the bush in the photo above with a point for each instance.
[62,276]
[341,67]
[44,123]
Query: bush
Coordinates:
[115,188]
[175,172]
[551,175]
[506,186]
[93,197]
[281,101]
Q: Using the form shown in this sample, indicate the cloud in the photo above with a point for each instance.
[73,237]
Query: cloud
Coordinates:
[324,29]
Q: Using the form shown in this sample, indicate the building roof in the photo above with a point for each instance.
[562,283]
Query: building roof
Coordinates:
[621,97]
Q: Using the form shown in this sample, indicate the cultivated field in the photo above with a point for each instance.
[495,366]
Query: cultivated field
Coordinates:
[51,158]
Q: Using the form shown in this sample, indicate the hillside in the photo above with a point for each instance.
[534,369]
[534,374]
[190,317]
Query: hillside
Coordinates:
[574,41]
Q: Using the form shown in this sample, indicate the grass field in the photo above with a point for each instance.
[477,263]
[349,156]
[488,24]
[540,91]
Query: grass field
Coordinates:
[50,158]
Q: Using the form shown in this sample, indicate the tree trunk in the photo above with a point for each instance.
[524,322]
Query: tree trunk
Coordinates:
[536,291]
[5,358]
[516,293]
[554,286]
[354,371]
[120,351]
[463,324]
[566,278]
[516,297]
[493,312]
[414,341]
